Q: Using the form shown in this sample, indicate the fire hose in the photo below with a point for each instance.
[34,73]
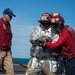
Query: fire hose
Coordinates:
[19,63]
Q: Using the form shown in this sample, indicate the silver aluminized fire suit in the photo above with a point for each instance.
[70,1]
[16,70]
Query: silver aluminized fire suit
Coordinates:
[42,59]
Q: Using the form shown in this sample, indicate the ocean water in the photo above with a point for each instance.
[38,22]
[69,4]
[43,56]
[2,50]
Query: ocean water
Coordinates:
[21,60]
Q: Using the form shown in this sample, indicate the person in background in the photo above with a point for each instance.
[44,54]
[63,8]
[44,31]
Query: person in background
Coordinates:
[6,41]
[66,43]
[42,58]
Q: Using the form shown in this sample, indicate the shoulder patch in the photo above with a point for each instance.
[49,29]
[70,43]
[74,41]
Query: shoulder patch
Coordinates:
[4,26]
[70,29]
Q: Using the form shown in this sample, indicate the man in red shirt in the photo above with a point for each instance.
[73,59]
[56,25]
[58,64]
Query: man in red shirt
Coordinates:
[66,43]
[6,41]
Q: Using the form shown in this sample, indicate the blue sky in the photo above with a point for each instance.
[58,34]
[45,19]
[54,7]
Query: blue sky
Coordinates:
[28,13]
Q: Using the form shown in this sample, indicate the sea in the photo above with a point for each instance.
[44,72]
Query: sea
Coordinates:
[21,60]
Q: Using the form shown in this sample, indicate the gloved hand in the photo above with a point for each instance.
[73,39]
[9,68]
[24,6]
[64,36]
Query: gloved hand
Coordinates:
[35,42]
[45,39]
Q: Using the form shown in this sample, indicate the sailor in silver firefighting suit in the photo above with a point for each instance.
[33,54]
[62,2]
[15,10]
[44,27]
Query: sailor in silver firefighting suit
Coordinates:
[42,59]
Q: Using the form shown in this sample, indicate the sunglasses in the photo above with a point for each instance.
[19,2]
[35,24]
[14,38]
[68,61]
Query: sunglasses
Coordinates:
[10,16]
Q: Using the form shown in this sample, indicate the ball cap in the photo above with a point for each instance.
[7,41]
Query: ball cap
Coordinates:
[9,12]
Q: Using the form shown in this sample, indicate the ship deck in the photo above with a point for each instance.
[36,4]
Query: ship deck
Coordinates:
[18,70]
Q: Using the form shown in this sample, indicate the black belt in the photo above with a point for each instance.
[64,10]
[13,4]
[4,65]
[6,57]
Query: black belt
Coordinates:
[70,59]
[5,49]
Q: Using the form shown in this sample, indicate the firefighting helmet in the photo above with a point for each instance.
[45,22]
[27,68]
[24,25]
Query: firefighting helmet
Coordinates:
[55,14]
[57,18]
[45,18]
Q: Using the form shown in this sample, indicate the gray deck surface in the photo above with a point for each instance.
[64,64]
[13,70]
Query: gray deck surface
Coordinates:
[18,70]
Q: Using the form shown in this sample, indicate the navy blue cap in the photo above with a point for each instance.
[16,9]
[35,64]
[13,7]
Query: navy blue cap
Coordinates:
[9,12]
